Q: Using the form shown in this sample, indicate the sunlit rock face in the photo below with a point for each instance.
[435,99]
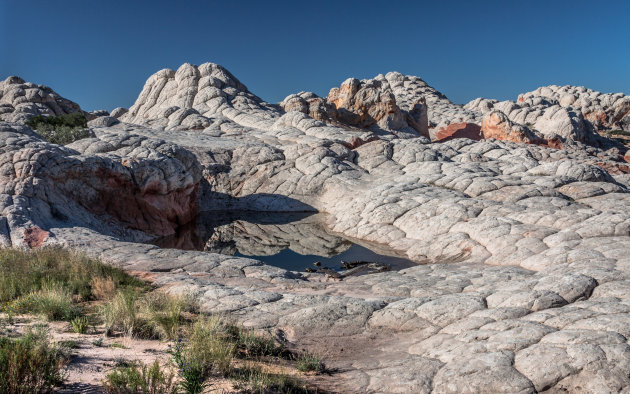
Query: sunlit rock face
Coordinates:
[20,100]
[527,286]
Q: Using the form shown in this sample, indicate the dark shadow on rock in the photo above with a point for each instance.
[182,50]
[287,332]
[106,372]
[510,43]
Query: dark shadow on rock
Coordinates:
[195,235]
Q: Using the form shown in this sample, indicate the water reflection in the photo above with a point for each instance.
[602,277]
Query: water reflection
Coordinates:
[288,240]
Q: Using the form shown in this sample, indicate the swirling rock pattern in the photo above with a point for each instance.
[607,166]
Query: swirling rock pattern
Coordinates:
[527,281]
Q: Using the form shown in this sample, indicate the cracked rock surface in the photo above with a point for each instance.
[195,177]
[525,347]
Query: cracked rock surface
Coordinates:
[525,281]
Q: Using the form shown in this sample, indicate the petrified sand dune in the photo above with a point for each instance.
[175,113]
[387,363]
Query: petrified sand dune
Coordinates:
[528,283]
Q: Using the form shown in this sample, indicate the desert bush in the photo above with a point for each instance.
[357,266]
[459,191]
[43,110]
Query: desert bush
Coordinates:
[140,378]
[192,371]
[62,129]
[30,364]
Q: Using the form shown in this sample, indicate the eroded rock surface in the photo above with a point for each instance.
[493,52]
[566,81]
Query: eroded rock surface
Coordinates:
[527,286]
[20,100]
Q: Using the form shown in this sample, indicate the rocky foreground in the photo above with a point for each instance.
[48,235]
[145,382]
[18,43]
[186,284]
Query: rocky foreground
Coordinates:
[519,210]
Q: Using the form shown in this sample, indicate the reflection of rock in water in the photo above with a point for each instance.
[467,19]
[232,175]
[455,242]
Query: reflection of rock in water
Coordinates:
[257,234]
[186,238]
[253,237]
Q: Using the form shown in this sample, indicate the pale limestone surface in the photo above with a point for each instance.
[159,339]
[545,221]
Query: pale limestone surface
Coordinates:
[528,286]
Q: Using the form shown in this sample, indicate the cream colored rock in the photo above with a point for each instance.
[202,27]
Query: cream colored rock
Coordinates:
[524,247]
[21,100]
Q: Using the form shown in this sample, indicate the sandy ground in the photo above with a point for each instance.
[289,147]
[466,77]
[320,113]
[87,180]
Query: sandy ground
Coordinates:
[94,355]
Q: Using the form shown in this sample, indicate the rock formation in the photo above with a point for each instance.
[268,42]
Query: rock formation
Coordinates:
[497,125]
[527,275]
[21,100]
[604,111]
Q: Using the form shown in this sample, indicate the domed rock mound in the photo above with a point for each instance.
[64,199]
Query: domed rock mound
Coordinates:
[20,100]
[195,97]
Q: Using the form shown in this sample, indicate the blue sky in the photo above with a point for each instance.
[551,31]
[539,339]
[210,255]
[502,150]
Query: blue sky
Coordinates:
[99,53]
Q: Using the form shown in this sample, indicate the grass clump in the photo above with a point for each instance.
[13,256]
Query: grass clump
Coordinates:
[62,129]
[53,300]
[80,324]
[212,348]
[253,345]
[119,314]
[164,313]
[30,364]
[140,378]
[153,315]
[254,378]
[208,348]
[310,363]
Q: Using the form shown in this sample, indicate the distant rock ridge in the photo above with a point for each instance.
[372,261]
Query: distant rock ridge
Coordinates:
[565,112]
[208,98]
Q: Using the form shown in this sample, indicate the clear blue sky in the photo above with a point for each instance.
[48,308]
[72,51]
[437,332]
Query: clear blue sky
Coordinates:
[99,53]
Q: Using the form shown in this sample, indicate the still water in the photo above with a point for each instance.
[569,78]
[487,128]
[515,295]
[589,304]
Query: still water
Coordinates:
[293,241]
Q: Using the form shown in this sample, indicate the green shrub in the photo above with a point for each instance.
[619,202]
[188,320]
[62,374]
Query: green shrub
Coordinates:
[192,371]
[62,129]
[30,364]
[76,119]
[80,325]
[140,378]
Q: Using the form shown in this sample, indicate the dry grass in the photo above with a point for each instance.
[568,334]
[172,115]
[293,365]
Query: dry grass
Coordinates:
[103,288]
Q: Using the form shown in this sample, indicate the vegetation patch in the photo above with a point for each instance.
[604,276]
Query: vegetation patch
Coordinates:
[30,364]
[140,378]
[80,324]
[62,285]
[310,363]
[619,132]
[62,130]
[24,272]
